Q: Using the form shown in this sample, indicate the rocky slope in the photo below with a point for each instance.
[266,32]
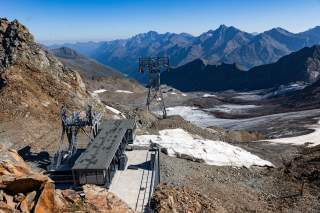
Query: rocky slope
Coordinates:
[21,189]
[89,68]
[34,85]
[169,198]
[94,74]
[24,190]
[307,98]
[222,45]
[300,66]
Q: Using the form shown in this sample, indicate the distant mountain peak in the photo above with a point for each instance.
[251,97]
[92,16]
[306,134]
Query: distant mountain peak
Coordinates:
[222,44]
[278,30]
[222,27]
[152,32]
[65,52]
[315,30]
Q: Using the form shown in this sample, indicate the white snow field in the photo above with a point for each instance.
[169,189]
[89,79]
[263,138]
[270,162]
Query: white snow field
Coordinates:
[99,91]
[312,138]
[123,91]
[180,143]
[204,119]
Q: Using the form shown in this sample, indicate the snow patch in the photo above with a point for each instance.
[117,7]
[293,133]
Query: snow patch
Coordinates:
[208,95]
[115,111]
[312,138]
[192,114]
[180,143]
[99,91]
[123,91]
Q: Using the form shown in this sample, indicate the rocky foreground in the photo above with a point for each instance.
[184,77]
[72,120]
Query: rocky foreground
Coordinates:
[23,190]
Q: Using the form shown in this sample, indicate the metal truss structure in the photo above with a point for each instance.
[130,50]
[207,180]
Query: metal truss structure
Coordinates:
[154,66]
[71,126]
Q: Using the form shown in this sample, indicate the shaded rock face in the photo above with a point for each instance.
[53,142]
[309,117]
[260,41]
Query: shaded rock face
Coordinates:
[305,165]
[303,66]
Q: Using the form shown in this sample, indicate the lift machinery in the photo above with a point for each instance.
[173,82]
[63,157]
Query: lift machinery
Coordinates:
[154,66]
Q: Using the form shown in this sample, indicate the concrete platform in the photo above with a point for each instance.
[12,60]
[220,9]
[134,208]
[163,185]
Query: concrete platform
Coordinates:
[133,185]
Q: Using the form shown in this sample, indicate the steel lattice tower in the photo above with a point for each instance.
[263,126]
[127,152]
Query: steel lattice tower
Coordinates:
[154,66]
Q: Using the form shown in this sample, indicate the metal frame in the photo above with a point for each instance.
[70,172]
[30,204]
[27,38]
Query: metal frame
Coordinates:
[71,126]
[154,66]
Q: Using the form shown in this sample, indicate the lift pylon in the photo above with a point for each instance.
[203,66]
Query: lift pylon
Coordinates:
[154,66]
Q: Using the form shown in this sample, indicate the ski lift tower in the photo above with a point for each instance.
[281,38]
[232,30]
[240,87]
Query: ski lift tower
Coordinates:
[154,66]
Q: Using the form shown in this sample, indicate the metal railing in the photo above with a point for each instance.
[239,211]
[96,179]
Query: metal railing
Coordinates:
[155,176]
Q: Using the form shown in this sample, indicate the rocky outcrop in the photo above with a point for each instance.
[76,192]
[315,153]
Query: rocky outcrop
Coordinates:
[32,79]
[104,201]
[21,189]
[169,198]
[33,86]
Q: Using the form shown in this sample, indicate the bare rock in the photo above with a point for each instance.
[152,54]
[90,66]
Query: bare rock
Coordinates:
[5,208]
[9,201]
[181,199]
[28,203]
[59,200]
[105,201]
[21,188]
[46,200]
[19,197]
[71,195]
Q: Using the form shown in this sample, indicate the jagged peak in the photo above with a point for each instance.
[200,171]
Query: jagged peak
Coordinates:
[277,30]
[16,38]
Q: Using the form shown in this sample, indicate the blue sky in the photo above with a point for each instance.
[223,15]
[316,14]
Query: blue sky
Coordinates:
[70,20]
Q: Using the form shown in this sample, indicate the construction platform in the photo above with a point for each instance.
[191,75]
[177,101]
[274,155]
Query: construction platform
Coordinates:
[105,155]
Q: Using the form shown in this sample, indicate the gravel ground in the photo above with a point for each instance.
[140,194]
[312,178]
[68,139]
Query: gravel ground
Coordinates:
[240,189]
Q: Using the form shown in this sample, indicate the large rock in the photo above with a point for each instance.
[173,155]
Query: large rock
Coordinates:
[21,188]
[46,200]
[104,201]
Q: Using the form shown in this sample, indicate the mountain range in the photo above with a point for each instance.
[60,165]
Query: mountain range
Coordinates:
[222,45]
[301,66]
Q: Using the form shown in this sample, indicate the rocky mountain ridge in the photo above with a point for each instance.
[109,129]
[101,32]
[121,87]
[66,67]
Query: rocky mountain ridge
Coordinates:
[34,85]
[300,66]
[222,45]
[87,67]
